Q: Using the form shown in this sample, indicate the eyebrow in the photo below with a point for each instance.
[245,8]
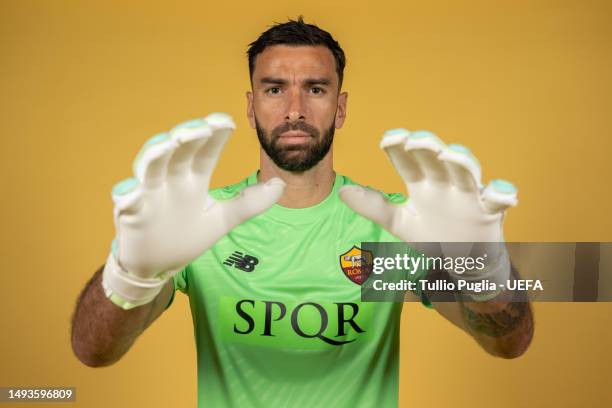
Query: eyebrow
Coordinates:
[280,81]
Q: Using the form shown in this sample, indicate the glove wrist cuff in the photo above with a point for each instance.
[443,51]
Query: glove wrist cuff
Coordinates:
[496,272]
[126,290]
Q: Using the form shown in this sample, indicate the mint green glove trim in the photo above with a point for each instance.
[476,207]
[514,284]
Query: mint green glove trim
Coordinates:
[484,297]
[464,150]
[190,124]
[422,295]
[219,118]
[121,302]
[426,134]
[503,186]
[420,134]
[459,148]
[397,131]
[426,302]
[158,138]
[397,198]
[125,186]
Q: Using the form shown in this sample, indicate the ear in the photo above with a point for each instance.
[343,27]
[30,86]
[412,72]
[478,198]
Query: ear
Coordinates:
[250,109]
[341,111]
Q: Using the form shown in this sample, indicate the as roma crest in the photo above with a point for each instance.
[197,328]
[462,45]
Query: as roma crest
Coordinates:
[356,264]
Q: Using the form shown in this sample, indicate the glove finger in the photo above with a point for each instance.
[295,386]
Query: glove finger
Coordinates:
[426,146]
[499,195]
[151,163]
[393,143]
[252,201]
[189,136]
[463,167]
[208,154]
[127,196]
[372,205]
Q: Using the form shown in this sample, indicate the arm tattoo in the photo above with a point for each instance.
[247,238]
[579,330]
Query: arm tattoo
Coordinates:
[499,323]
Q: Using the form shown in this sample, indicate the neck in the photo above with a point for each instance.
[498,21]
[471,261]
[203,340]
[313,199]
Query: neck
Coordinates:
[303,189]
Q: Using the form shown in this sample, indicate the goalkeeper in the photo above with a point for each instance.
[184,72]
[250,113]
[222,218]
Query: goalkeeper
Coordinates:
[271,264]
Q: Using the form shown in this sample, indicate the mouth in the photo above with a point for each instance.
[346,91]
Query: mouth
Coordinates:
[294,137]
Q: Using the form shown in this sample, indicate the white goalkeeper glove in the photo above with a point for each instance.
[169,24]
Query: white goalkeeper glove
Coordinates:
[447,202]
[165,218]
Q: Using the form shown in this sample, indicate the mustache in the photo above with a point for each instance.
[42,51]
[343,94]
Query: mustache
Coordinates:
[301,126]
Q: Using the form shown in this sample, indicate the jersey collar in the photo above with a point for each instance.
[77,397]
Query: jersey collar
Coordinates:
[305,215]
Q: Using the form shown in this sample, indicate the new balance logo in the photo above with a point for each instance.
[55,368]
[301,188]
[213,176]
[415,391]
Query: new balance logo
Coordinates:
[240,261]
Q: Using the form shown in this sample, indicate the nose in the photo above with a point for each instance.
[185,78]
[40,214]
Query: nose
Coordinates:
[295,108]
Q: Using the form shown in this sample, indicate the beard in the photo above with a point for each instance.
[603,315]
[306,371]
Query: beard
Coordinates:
[296,158]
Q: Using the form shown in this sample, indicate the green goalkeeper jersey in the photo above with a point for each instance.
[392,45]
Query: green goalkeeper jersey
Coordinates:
[277,315]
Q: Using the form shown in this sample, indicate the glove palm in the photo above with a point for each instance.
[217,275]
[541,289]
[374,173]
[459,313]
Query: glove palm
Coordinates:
[165,217]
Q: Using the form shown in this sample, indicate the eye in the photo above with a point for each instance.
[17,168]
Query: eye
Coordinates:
[317,90]
[273,91]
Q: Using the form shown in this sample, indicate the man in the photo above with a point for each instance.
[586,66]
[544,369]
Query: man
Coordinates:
[278,322]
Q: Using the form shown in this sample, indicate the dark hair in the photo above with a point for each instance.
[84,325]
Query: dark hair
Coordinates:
[296,33]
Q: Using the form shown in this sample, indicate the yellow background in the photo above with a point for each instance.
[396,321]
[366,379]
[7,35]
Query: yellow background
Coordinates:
[525,84]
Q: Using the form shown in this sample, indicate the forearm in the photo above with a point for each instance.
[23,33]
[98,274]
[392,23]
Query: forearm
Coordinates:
[503,324]
[102,332]
[502,328]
